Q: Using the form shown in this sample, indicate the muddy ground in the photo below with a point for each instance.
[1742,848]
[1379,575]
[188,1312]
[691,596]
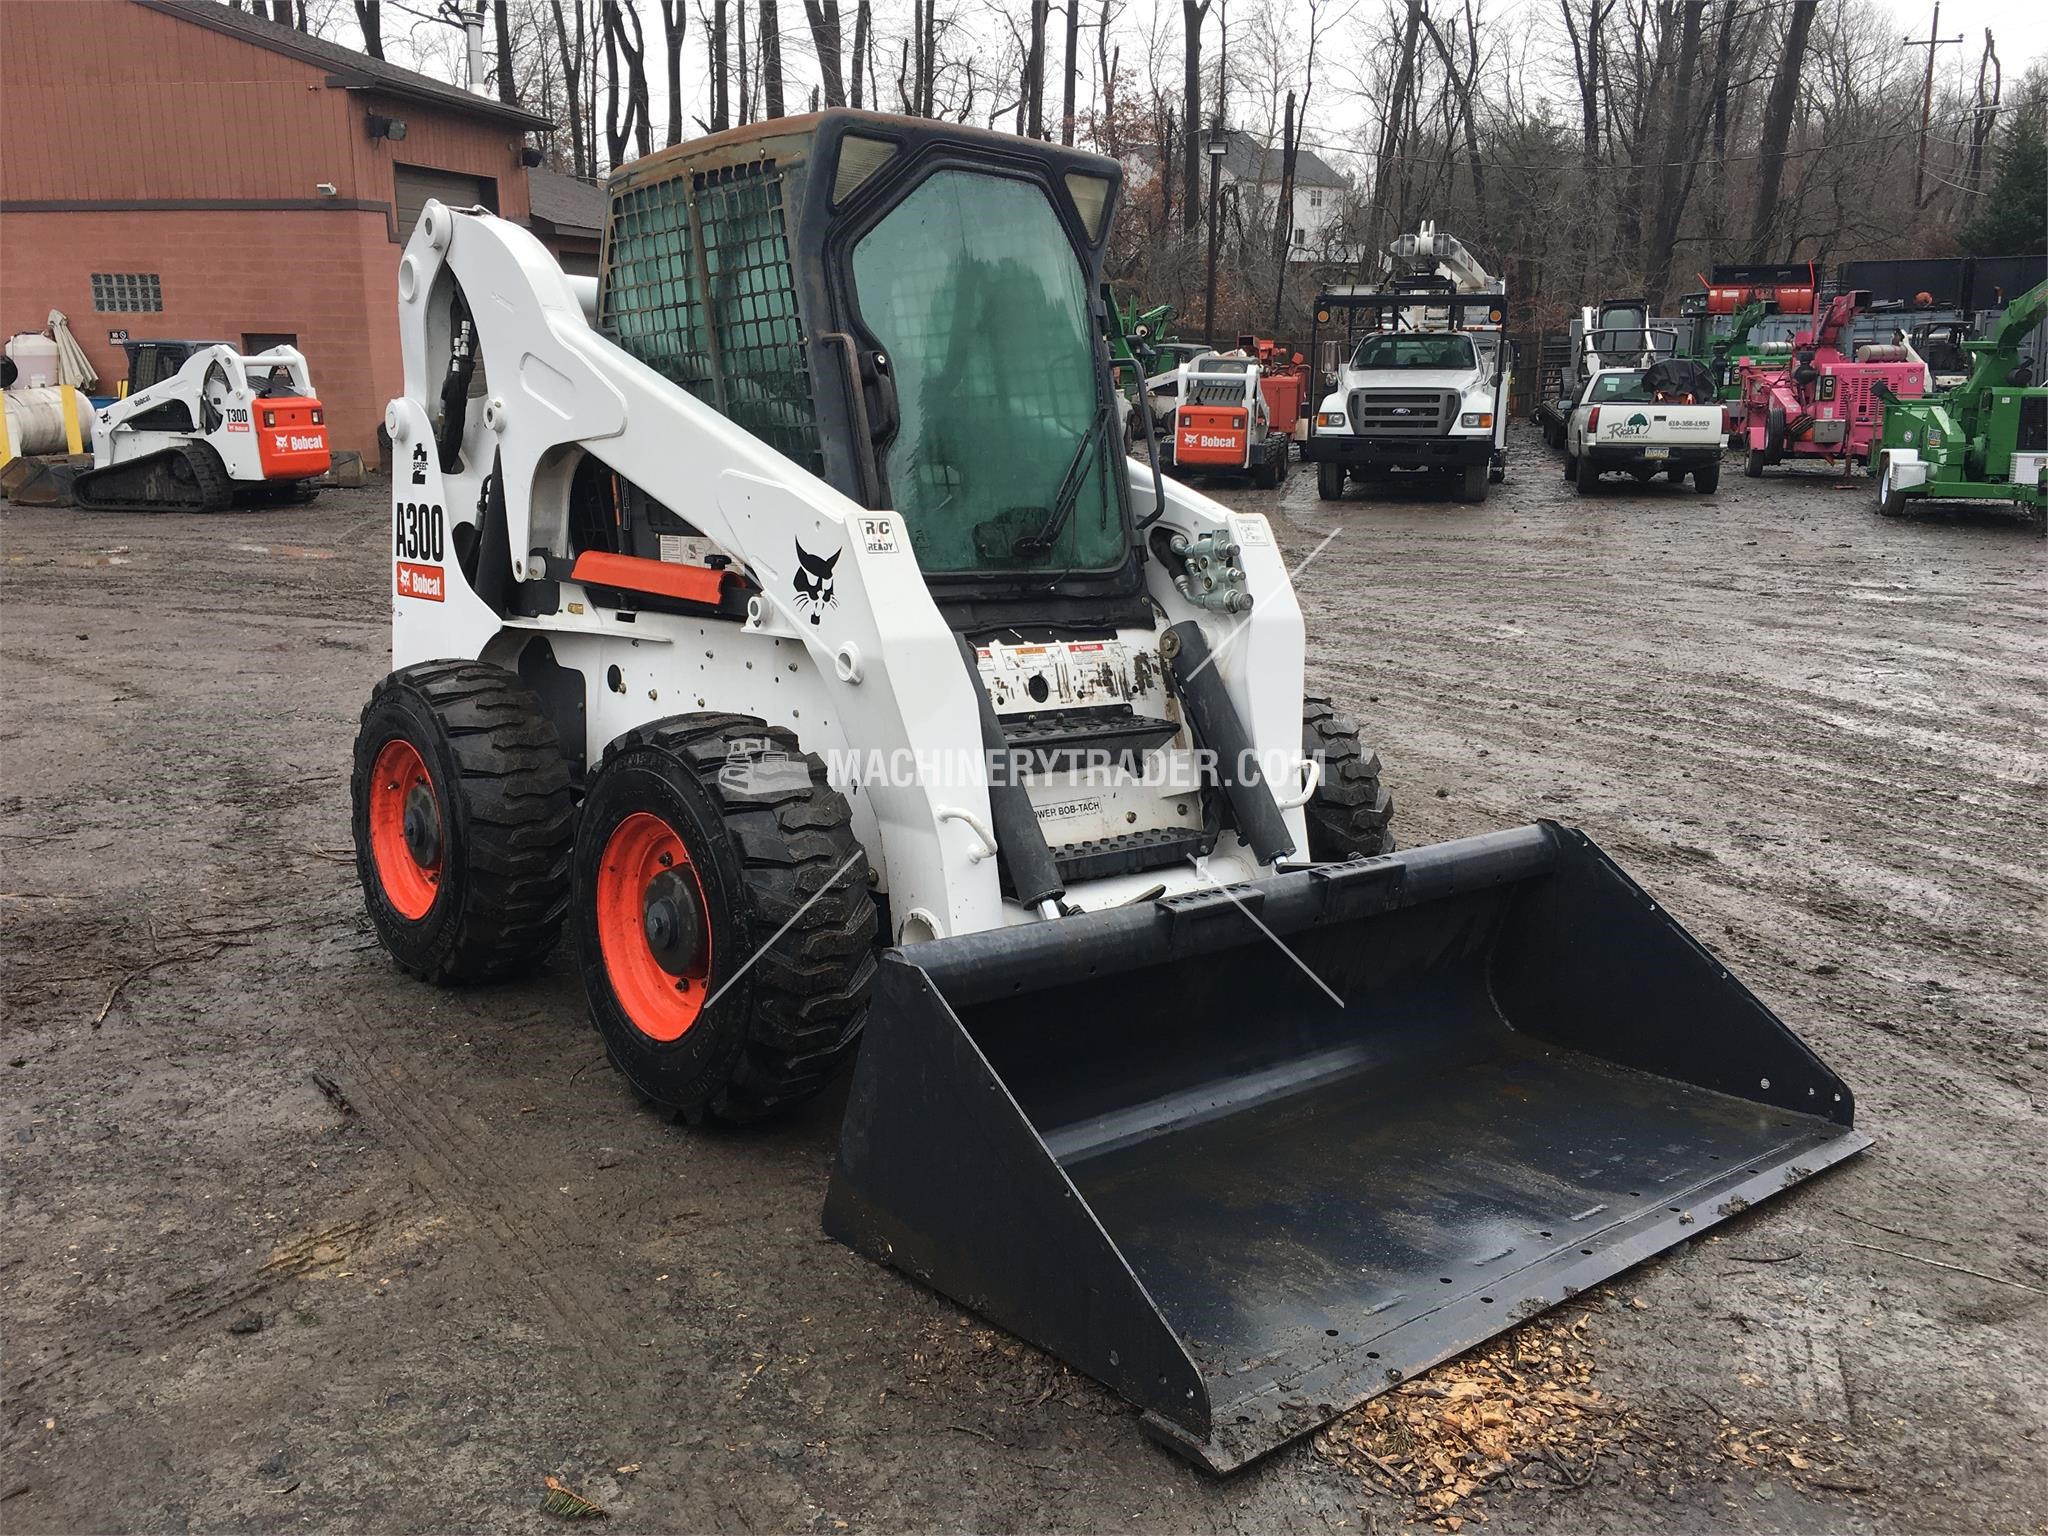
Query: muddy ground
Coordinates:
[292,1241]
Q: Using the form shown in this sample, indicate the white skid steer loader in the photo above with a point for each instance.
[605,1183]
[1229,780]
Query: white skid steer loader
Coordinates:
[227,429]
[785,619]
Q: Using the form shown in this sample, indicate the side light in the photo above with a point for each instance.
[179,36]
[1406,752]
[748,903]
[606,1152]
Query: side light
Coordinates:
[1476,419]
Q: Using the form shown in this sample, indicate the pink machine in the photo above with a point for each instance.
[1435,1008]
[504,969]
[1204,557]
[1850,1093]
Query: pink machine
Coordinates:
[1819,403]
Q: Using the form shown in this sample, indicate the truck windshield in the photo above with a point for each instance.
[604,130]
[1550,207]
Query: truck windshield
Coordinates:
[981,306]
[1413,351]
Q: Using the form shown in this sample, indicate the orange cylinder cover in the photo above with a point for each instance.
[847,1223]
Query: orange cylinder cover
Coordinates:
[291,437]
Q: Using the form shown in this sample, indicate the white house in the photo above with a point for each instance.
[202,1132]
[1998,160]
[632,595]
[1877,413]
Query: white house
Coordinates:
[1251,174]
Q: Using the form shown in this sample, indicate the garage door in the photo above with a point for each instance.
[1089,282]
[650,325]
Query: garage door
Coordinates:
[417,183]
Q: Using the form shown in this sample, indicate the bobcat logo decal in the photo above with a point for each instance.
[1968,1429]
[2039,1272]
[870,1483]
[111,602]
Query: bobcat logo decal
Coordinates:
[814,581]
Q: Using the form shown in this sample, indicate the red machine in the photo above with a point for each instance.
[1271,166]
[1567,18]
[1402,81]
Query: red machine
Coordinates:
[1820,403]
[1284,381]
[1791,287]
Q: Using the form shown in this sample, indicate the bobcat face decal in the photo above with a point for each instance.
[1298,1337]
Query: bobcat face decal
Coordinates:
[814,581]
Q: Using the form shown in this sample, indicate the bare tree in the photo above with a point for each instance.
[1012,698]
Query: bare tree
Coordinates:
[1034,72]
[770,35]
[1677,165]
[581,158]
[1777,129]
[1072,74]
[863,26]
[370,17]
[625,43]
[1462,79]
[674,18]
[508,79]
[823,16]
[1983,118]
[1193,14]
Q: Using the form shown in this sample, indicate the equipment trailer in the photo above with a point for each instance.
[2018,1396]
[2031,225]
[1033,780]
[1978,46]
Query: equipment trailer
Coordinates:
[1170,1065]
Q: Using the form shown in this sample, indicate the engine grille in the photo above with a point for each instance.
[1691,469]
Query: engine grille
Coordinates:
[1401,412]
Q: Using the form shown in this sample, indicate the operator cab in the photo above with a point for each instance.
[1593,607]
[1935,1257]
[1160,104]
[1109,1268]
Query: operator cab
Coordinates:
[909,309]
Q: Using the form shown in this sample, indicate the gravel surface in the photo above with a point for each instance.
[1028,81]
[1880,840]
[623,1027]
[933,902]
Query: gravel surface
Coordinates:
[294,1241]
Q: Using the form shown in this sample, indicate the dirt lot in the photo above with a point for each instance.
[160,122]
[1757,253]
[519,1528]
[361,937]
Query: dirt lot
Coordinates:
[295,1242]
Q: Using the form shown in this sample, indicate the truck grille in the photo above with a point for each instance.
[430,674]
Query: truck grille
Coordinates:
[1401,412]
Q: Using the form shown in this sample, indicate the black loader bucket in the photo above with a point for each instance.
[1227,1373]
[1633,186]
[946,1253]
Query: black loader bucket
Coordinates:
[1151,1142]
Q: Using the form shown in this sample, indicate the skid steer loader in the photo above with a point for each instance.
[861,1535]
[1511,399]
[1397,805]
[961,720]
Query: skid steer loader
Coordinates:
[785,620]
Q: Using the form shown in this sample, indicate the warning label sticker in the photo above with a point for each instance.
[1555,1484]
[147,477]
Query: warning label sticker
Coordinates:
[426,582]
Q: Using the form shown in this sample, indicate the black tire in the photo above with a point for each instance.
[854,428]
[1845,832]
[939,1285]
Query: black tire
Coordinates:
[497,813]
[1351,812]
[1706,479]
[1586,475]
[1571,466]
[1753,464]
[1330,481]
[782,884]
[1472,484]
[1497,474]
[1264,476]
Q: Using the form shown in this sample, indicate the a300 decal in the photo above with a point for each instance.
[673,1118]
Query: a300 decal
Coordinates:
[419,532]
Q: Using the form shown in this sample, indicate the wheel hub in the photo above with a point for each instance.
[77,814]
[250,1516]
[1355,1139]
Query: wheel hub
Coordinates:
[674,922]
[422,827]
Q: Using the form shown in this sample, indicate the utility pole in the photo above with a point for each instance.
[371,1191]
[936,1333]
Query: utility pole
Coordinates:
[1931,42]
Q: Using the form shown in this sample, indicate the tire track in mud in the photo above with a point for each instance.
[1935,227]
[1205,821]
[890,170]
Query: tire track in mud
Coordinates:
[459,1163]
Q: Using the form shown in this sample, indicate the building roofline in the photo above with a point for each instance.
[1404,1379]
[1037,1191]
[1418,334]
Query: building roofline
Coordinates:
[343,68]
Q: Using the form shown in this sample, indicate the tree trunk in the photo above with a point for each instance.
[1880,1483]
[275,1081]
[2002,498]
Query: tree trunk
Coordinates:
[1193,14]
[1283,220]
[1675,173]
[1400,109]
[369,16]
[928,76]
[863,20]
[1461,92]
[675,16]
[1724,50]
[508,80]
[1034,72]
[715,60]
[1990,83]
[1107,63]
[1777,130]
[743,111]
[1073,71]
[572,88]
[823,16]
[770,36]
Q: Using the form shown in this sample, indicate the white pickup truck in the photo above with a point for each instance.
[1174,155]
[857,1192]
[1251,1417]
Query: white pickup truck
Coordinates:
[1624,423]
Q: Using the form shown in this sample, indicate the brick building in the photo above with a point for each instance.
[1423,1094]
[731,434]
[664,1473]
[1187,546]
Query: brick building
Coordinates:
[175,168]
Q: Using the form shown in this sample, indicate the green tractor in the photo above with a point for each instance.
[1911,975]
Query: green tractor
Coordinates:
[1986,440]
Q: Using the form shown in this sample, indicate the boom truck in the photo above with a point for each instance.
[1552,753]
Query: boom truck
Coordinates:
[1422,375]
[1820,402]
[784,619]
[1986,440]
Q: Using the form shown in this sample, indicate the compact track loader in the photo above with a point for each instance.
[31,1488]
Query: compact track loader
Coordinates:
[226,429]
[785,619]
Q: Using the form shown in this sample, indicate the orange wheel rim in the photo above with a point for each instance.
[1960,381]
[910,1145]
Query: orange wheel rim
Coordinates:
[407,840]
[652,927]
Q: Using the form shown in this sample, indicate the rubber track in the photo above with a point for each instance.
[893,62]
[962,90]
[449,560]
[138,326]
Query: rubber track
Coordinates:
[215,491]
[1351,812]
[795,839]
[520,815]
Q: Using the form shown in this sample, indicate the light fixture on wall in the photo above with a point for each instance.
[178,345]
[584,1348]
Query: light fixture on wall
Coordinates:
[327,189]
[382,127]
